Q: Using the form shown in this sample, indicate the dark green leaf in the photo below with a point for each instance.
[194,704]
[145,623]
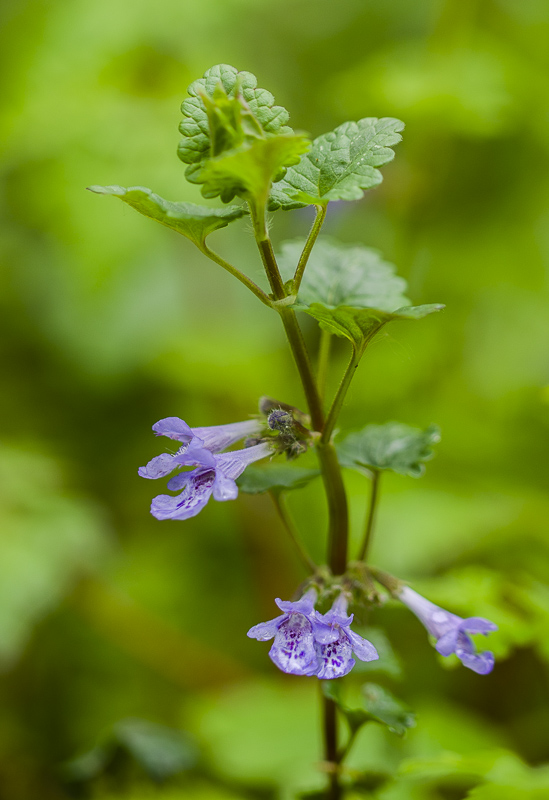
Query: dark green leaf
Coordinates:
[344,275]
[340,165]
[276,477]
[359,325]
[384,708]
[392,446]
[193,221]
[161,751]
[268,119]
[249,170]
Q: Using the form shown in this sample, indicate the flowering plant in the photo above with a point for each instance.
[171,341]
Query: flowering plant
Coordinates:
[237,146]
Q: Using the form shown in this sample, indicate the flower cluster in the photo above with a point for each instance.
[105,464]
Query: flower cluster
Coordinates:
[451,631]
[309,643]
[214,472]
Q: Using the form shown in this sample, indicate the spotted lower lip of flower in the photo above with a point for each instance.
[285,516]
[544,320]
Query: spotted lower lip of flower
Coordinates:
[451,631]
[215,474]
[293,649]
[196,443]
[336,642]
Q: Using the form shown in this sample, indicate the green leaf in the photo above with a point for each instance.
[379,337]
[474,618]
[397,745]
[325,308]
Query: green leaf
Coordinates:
[341,164]
[356,717]
[359,325]
[193,221]
[276,477]
[384,708]
[393,446]
[268,119]
[249,170]
[340,274]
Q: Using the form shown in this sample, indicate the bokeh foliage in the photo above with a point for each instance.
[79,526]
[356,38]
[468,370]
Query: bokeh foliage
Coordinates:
[110,322]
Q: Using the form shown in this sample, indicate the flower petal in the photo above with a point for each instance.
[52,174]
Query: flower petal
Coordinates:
[304,605]
[481,663]
[266,630]
[234,463]
[217,437]
[335,659]
[447,643]
[478,625]
[224,488]
[176,483]
[195,454]
[362,648]
[293,650]
[174,428]
[190,502]
[158,467]
[323,632]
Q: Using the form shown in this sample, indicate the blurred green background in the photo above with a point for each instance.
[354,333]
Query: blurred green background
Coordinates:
[111,623]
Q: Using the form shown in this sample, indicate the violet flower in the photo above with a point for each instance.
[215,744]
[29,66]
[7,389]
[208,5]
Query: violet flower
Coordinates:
[309,643]
[335,642]
[195,443]
[293,649]
[451,631]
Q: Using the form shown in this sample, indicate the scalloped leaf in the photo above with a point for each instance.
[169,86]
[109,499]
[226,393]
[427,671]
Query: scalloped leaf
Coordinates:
[249,170]
[340,274]
[359,325]
[341,164]
[383,707]
[193,221]
[275,478]
[393,446]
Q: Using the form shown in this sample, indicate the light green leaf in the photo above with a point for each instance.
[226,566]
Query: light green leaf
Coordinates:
[249,170]
[384,708]
[340,274]
[359,325]
[276,478]
[197,144]
[193,221]
[393,446]
[341,164]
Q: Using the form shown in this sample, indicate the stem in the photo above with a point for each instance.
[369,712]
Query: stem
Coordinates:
[342,755]
[288,523]
[323,360]
[340,397]
[253,287]
[309,244]
[330,747]
[374,495]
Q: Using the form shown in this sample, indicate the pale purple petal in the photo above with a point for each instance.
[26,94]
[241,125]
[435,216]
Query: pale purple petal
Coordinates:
[190,502]
[478,625]
[362,648]
[481,663]
[266,630]
[224,488]
[176,483]
[293,650]
[335,659]
[323,632]
[217,437]
[234,463]
[305,605]
[447,643]
[195,454]
[158,467]
[174,428]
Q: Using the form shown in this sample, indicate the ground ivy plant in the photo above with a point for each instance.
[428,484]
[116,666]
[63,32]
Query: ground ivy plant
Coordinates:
[237,146]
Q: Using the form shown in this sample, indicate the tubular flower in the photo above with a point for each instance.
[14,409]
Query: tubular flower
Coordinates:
[451,631]
[309,643]
[214,472]
[335,642]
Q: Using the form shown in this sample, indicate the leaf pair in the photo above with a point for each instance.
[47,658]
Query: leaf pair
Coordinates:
[350,290]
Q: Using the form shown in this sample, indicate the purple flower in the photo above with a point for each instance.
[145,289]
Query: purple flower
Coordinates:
[195,443]
[309,643]
[293,649]
[214,472]
[451,631]
[335,642]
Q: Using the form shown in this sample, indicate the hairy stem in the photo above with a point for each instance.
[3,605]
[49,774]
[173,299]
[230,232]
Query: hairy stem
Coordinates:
[309,244]
[330,747]
[288,523]
[253,287]
[340,397]
[324,349]
[370,519]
